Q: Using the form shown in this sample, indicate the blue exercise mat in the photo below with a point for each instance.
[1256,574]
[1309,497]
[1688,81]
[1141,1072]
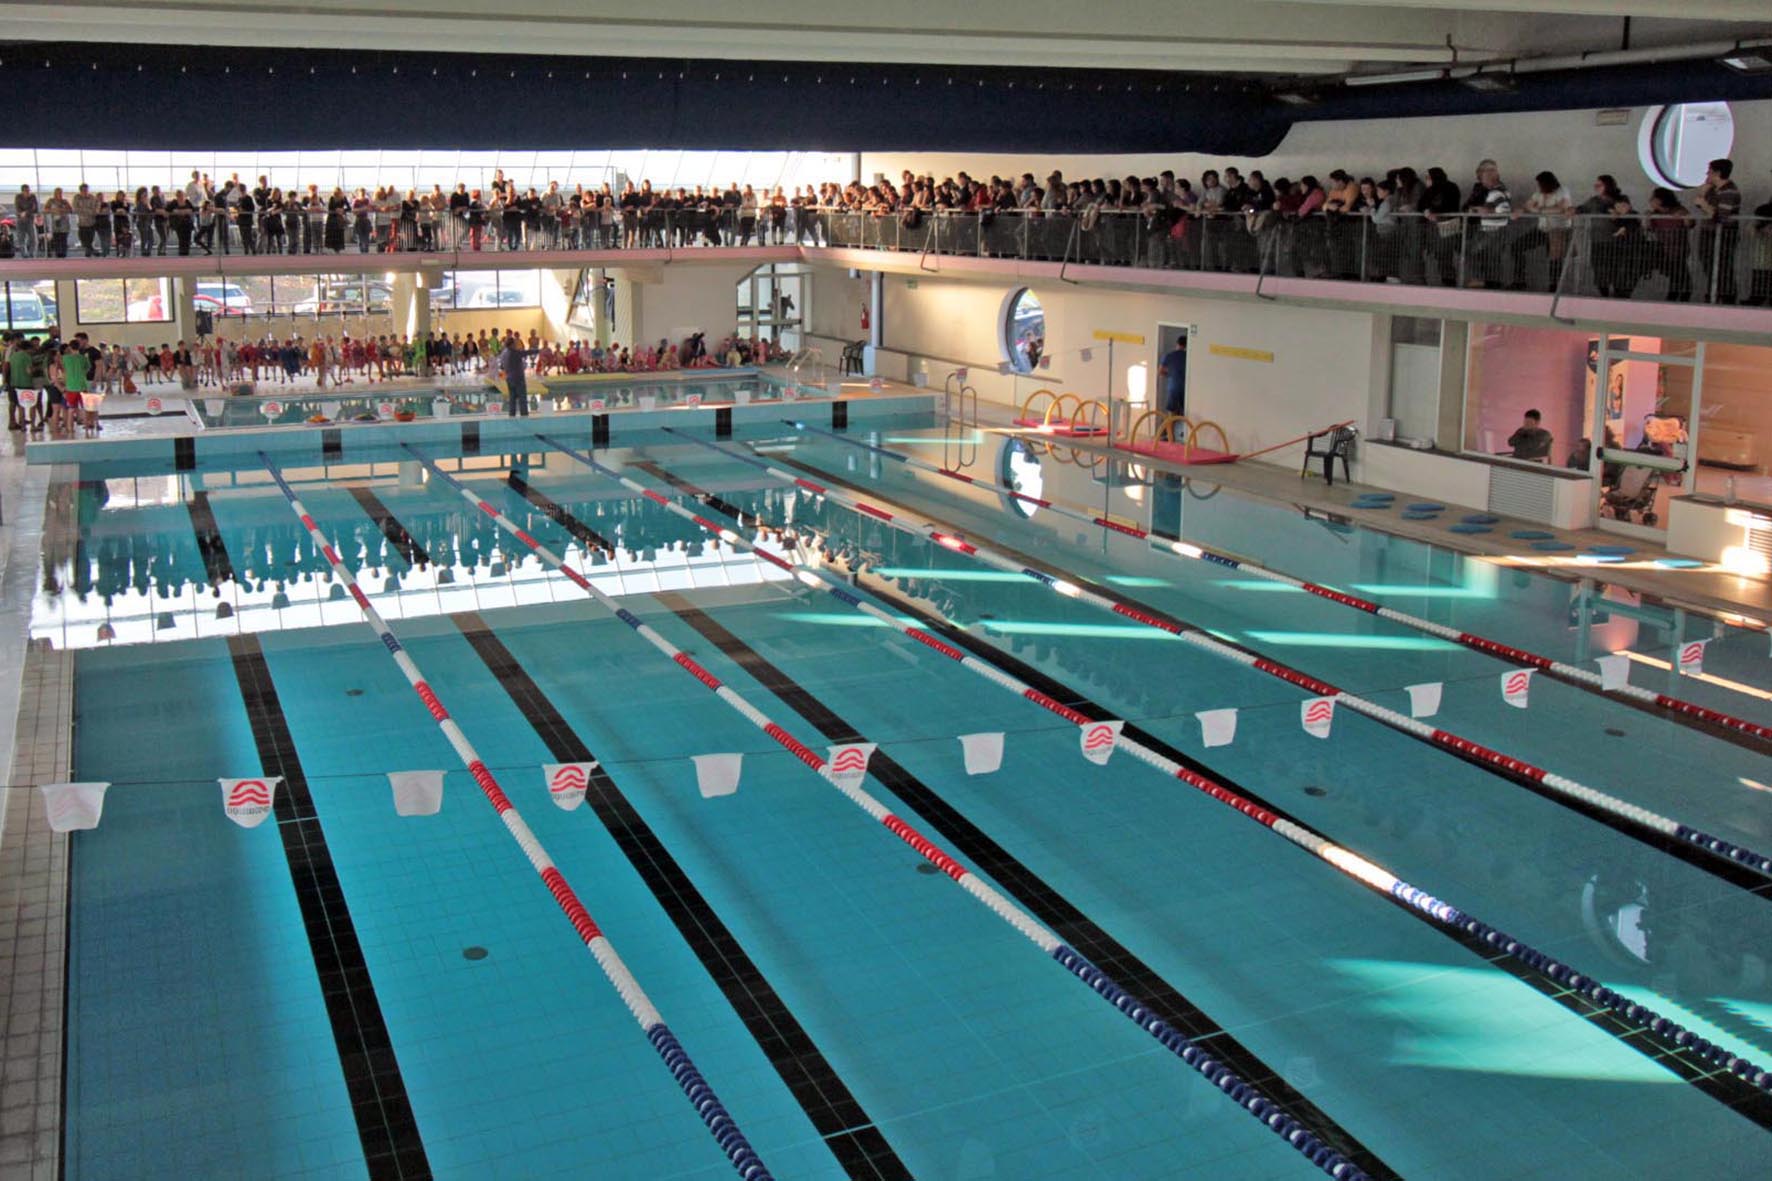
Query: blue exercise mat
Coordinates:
[1619,550]
[1551,547]
[1427,506]
[1467,527]
[1531,535]
[1480,519]
[1416,515]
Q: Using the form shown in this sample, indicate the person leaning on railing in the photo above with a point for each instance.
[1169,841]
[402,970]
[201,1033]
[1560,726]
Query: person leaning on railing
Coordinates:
[1670,228]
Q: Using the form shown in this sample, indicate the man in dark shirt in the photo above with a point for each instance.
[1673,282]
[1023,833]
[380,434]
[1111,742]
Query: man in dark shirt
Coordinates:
[1530,441]
[510,367]
[1173,372]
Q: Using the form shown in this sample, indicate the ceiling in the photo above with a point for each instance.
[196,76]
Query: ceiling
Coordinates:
[1277,37]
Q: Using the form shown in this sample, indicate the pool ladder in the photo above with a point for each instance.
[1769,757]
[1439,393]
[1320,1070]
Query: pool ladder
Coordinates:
[959,403]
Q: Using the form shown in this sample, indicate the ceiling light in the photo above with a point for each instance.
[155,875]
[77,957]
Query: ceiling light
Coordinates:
[1297,98]
[1749,61]
[1388,79]
[1489,83]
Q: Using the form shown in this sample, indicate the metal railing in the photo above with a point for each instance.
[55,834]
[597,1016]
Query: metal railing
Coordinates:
[1638,256]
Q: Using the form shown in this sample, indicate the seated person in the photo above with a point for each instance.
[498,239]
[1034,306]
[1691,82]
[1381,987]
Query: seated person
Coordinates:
[1530,441]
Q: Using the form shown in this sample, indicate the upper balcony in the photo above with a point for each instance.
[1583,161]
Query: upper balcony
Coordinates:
[1653,273]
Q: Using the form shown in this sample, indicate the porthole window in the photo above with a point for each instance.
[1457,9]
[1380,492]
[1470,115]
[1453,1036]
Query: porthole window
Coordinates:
[1019,469]
[1024,331]
[1677,142]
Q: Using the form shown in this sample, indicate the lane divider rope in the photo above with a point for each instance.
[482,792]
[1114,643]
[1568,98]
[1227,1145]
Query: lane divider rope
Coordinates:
[1583,678]
[1345,860]
[688,1077]
[1271,1114]
[1487,757]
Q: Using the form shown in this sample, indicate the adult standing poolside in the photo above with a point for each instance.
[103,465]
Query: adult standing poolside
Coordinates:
[510,367]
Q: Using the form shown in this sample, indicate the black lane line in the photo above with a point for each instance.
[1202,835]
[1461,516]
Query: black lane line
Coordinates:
[392,1147]
[1736,875]
[1039,896]
[216,562]
[851,1135]
[1751,1102]
[711,499]
[553,511]
[403,542]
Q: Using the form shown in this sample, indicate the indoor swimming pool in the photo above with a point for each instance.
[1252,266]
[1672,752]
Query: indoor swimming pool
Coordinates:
[1413,916]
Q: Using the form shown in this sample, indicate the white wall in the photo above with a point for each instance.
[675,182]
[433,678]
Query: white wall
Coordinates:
[1328,365]
[672,302]
[1568,143]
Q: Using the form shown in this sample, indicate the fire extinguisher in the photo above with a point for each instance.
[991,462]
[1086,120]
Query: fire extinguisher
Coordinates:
[864,317]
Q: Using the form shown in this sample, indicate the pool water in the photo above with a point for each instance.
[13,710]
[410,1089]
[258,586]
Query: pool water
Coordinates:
[366,402]
[347,992]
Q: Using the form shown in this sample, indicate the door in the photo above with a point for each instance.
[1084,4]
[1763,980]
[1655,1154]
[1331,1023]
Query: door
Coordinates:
[1648,399]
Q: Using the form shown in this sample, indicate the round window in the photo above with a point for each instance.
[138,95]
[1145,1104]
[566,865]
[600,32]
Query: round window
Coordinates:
[1024,331]
[1019,469]
[1676,143]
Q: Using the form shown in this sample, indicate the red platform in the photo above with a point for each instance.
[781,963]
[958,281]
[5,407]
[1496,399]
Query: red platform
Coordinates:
[1062,430]
[1180,453]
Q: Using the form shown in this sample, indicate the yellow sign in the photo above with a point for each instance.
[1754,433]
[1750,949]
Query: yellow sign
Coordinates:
[1227,350]
[1119,337]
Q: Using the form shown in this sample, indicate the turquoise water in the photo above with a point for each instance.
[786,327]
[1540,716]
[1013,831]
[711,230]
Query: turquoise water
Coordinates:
[271,407]
[200,1036]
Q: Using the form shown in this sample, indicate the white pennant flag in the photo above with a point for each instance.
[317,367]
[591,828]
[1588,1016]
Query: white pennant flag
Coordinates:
[1217,726]
[1098,739]
[1424,699]
[1692,657]
[72,806]
[984,752]
[849,763]
[417,793]
[1614,671]
[1516,684]
[567,782]
[742,397]
[648,401]
[248,801]
[1317,714]
[717,775]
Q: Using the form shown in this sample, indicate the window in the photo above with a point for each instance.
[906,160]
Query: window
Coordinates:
[122,301]
[471,291]
[23,308]
[1018,467]
[1415,377]
[1514,369]
[1024,331]
[1677,142]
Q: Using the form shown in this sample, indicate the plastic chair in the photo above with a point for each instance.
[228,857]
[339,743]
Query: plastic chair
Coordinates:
[1338,444]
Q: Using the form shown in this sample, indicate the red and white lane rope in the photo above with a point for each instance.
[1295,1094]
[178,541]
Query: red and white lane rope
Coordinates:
[1345,860]
[1484,756]
[1584,678]
[707,1104]
[1271,1114]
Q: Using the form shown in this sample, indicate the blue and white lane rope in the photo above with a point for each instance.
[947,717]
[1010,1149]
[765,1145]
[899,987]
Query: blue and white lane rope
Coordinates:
[695,1088]
[1271,1114]
[1581,677]
[1347,861]
[1488,757]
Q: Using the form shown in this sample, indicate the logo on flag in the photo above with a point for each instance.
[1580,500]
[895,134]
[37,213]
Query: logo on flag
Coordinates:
[692,400]
[597,403]
[27,398]
[1317,715]
[384,410]
[1692,657]
[876,384]
[270,409]
[849,763]
[72,806]
[1515,686]
[248,801]
[567,782]
[962,374]
[155,405]
[1098,740]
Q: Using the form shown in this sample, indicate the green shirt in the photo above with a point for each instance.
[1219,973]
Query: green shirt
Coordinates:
[76,368]
[21,369]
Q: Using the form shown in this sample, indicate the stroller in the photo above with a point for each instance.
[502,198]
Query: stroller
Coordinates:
[1634,493]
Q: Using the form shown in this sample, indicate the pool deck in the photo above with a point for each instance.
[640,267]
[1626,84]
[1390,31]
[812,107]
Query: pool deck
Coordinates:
[1710,589]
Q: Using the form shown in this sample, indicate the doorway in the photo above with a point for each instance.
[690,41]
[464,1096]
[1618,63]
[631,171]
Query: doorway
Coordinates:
[1648,400]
